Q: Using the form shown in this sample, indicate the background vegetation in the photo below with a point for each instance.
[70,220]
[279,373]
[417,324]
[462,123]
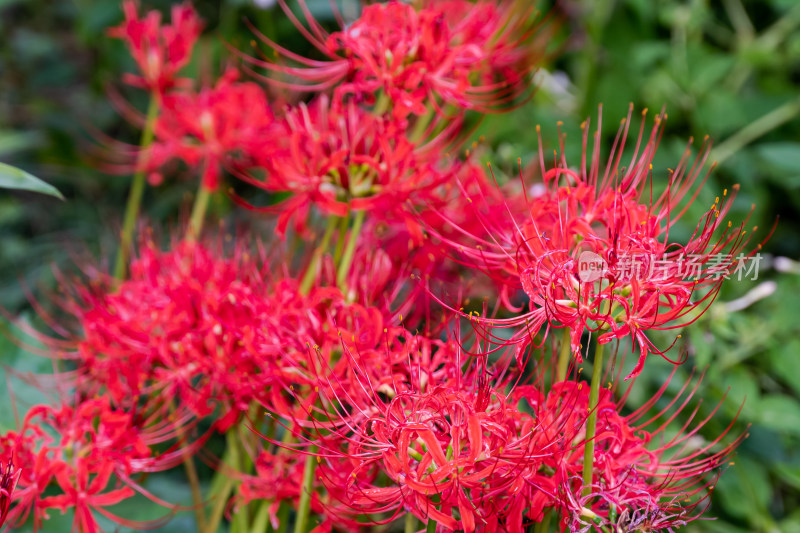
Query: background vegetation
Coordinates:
[729,69]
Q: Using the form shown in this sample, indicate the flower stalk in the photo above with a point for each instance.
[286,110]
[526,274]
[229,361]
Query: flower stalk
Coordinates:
[137,191]
[591,422]
[410,523]
[199,210]
[349,250]
[563,356]
[304,507]
[311,271]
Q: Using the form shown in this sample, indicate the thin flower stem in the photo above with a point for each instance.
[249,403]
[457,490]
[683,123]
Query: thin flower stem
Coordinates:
[431,526]
[197,495]
[199,212]
[304,507]
[231,458]
[382,104]
[219,505]
[754,130]
[349,251]
[311,271]
[261,520]
[283,518]
[194,481]
[421,125]
[591,423]
[411,523]
[544,525]
[563,356]
[136,193]
[344,222]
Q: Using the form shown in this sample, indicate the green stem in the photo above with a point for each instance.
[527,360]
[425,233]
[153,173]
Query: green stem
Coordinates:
[199,212]
[421,125]
[563,356]
[194,481]
[431,526]
[311,271]
[219,505]
[349,251]
[261,520]
[382,104]
[304,507]
[136,193]
[197,495]
[411,523]
[231,458]
[591,423]
[754,130]
[544,525]
[283,518]
[344,222]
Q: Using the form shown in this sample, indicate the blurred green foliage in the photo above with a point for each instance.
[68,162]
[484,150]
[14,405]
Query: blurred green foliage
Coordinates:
[729,69]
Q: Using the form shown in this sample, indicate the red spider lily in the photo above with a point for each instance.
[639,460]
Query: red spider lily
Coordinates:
[217,329]
[275,482]
[160,51]
[34,476]
[222,330]
[645,473]
[8,482]
[470,55]
[87,496]
[445,450]
[210,129]
[79,449]
[189,324]
[407,431]
[339,157]
[610,215]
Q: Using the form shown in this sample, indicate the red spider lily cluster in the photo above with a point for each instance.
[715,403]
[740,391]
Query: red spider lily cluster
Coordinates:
[345,366]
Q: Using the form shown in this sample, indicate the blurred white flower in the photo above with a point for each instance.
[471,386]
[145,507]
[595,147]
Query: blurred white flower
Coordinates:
[264,4]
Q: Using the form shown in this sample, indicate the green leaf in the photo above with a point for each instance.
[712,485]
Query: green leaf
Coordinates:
[781,413]
[744,490]
[784,365]
[14,178]
[782,155]
[11,141]
[789,474]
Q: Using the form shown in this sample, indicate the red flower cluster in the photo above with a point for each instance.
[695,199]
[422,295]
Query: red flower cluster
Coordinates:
[592,249]
[412,432]
[337,156]
[86,451]
[329,361]
[468,55]
[208,130]
[160,51]
[8,483]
